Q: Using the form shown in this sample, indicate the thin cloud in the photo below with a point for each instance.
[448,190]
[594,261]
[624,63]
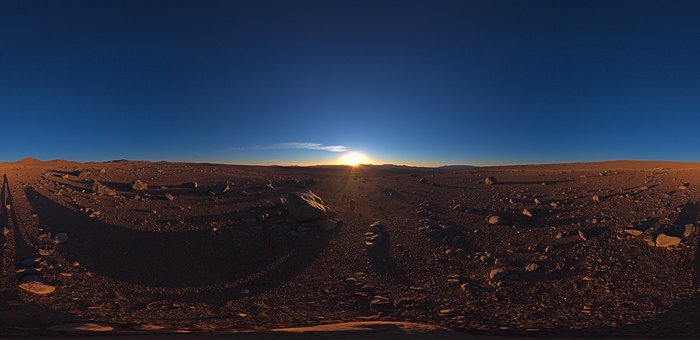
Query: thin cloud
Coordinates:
[306,146]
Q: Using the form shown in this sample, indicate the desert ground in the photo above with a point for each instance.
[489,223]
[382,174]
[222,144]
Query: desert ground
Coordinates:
[126,247]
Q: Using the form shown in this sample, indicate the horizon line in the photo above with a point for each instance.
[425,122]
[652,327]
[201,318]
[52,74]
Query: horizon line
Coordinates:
[416,165]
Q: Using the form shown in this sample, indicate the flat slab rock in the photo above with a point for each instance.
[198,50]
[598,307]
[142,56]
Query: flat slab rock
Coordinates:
[35,284]
[81,327]
[664,240]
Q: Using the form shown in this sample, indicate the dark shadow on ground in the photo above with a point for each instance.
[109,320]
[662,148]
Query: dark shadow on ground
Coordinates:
[381,261]
[173,259]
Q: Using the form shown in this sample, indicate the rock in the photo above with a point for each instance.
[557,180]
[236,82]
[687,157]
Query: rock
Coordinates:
[101,189]
[683,186]
[498,274]
[422,180]
[490,180]
[527,213]
[35,284]
[138,185]
[633,232]
[559,235]
[219,188]
[380,303]
[496,220]
[375,235]
[582,235]
[60,238]
[81,327]
[663,240]
[688,230]
[532,267]
[328,225]
[595,198]
[169,197]
[5,231]
[306,206]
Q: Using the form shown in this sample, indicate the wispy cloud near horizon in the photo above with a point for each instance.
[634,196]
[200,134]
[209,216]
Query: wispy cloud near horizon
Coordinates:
[305,146]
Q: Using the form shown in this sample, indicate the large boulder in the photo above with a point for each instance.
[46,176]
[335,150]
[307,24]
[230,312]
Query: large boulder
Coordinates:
[306,206]
[138,185]
[101,189]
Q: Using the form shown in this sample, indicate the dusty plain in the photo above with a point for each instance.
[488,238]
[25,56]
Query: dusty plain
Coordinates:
[596,249]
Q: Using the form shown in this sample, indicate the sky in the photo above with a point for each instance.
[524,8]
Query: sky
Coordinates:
[306,82]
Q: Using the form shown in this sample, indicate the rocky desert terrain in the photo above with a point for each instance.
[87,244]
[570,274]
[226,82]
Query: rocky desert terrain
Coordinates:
[126,247]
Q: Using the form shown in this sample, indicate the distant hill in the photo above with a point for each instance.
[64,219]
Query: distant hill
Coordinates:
[458,167]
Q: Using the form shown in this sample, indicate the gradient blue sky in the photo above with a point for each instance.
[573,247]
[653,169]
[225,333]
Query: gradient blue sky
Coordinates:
[416,82]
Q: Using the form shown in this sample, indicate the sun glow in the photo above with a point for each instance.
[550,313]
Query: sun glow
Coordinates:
[354,159]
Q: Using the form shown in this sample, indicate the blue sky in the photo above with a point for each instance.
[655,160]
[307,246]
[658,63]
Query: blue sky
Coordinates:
[414,82]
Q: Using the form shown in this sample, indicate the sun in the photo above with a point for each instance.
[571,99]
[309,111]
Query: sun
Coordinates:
[353,159]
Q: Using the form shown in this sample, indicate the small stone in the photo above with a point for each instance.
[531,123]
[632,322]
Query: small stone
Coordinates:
[490,180]
[532,267]
[688,230]
[169,197]
[559,235]
[582,235]
[496,220]
[664,240]
[422,180]
[596,198]
[498,274]
[527,213]
[633,232]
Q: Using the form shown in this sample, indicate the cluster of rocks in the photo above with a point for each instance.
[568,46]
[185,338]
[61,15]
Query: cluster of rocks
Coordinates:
[294,216]
[138,185]
[29,275]
[663,237]
[375,236]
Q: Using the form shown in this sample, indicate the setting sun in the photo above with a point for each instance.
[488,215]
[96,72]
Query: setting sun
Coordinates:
[353,159]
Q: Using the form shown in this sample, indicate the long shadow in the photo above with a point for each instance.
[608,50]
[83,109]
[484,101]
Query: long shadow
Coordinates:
[170,259]
[381,261]
[23,248]
[683,319]
[535,182]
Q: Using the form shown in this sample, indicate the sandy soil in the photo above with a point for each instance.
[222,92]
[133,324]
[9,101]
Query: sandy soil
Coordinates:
[137,261]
